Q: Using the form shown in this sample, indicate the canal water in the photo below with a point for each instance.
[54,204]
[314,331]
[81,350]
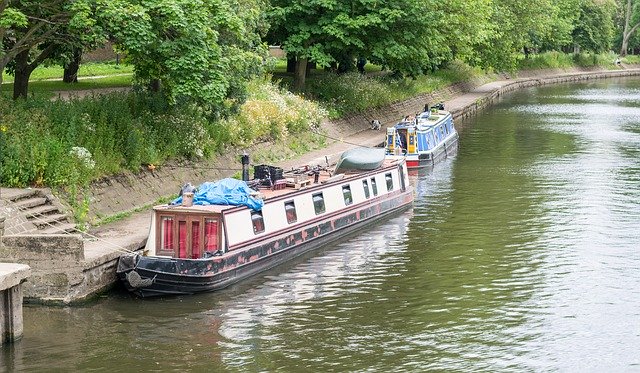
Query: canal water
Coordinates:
[522,253]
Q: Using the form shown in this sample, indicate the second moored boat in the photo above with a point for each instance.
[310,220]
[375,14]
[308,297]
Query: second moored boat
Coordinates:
[424,139]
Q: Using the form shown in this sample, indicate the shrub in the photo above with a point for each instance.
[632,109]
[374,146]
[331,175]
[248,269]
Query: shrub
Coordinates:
[272,113]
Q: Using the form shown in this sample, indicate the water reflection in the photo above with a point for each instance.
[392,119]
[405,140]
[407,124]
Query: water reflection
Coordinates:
[309,309]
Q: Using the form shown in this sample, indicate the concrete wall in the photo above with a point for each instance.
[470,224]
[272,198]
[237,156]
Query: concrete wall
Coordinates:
[59,273]
[11,278]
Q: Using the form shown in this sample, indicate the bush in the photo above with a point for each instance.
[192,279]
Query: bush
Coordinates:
[555,59]
[124,131]
[353,92]
[272,113]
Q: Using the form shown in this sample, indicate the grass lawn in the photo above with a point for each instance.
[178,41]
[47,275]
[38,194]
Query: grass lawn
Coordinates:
[86,70]
[47,79]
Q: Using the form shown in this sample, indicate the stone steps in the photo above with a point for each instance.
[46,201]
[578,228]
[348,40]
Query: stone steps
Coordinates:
[58,229]
[38,209]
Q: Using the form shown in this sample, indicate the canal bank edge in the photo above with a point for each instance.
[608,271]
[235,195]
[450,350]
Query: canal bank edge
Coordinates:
[131,191]
[93,269]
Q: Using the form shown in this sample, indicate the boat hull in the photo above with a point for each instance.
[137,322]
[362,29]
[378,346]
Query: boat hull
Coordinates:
[430,158]
[171,276]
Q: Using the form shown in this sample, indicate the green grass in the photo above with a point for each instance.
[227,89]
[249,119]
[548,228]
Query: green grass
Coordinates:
[47,79]
[631,59]
[86,70]
[566,60]
[46,87]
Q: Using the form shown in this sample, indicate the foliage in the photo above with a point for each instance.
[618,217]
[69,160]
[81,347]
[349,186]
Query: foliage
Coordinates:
[629,22]
[514,22]
[272,113]
[201,51]
[594,28]
[38,31]
[563,60]
[594,59]
[350,93]
[129,131]
[401,35]
[546,60]
[119,131]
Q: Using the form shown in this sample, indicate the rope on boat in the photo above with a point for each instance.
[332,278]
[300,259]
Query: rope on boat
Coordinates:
[343,141]
[136,281]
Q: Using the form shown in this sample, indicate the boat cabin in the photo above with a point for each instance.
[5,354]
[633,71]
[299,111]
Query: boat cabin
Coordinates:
[300,199]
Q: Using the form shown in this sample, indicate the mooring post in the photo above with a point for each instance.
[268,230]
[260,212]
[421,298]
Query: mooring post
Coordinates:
[12,275]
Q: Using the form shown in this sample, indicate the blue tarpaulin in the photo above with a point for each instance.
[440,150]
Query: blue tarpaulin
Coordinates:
[224,192]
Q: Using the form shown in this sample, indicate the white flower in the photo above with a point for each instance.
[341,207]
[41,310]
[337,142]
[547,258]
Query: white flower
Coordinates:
[83,155]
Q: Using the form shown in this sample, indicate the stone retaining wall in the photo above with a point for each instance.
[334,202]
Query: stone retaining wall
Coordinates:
[59,273]
[489,97]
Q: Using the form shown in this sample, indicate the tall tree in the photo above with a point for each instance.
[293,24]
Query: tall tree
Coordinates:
[594,27]
[631,22]
[199,50]
[466,27]
[36,31]
[513,24]
[399,34]
[20,32]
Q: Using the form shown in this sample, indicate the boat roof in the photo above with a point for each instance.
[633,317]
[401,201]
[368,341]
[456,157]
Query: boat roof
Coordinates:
[293,181]
[425,120]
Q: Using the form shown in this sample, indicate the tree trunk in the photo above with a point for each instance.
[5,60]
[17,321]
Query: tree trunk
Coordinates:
[71,69]
[24,69]
[155,85]
[311,66]
[22,74]
[625,45]
[300,74]
[291,65]
[628,30]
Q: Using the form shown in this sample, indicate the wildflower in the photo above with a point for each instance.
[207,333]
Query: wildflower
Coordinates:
[83,155]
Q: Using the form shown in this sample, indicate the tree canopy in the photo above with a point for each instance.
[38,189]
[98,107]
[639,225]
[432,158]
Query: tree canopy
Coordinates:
[203,51]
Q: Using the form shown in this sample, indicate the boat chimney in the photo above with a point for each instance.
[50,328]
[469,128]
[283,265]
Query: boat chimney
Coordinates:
[316,176]
[245,166]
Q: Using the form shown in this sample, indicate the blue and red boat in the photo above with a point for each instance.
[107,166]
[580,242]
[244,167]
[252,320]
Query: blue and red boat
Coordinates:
[422,140]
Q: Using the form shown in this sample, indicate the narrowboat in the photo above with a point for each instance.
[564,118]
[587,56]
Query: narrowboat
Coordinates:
[232,229]
[424,139]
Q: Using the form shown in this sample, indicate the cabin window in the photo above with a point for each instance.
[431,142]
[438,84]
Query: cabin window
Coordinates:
[403,186]
[346,193]
[258,222]
[374,186]
[290,211]
[166,235]
[210,235]
[365,186]
[389,180]
[431,139]
[182,239]
[195,239]
[318,203]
